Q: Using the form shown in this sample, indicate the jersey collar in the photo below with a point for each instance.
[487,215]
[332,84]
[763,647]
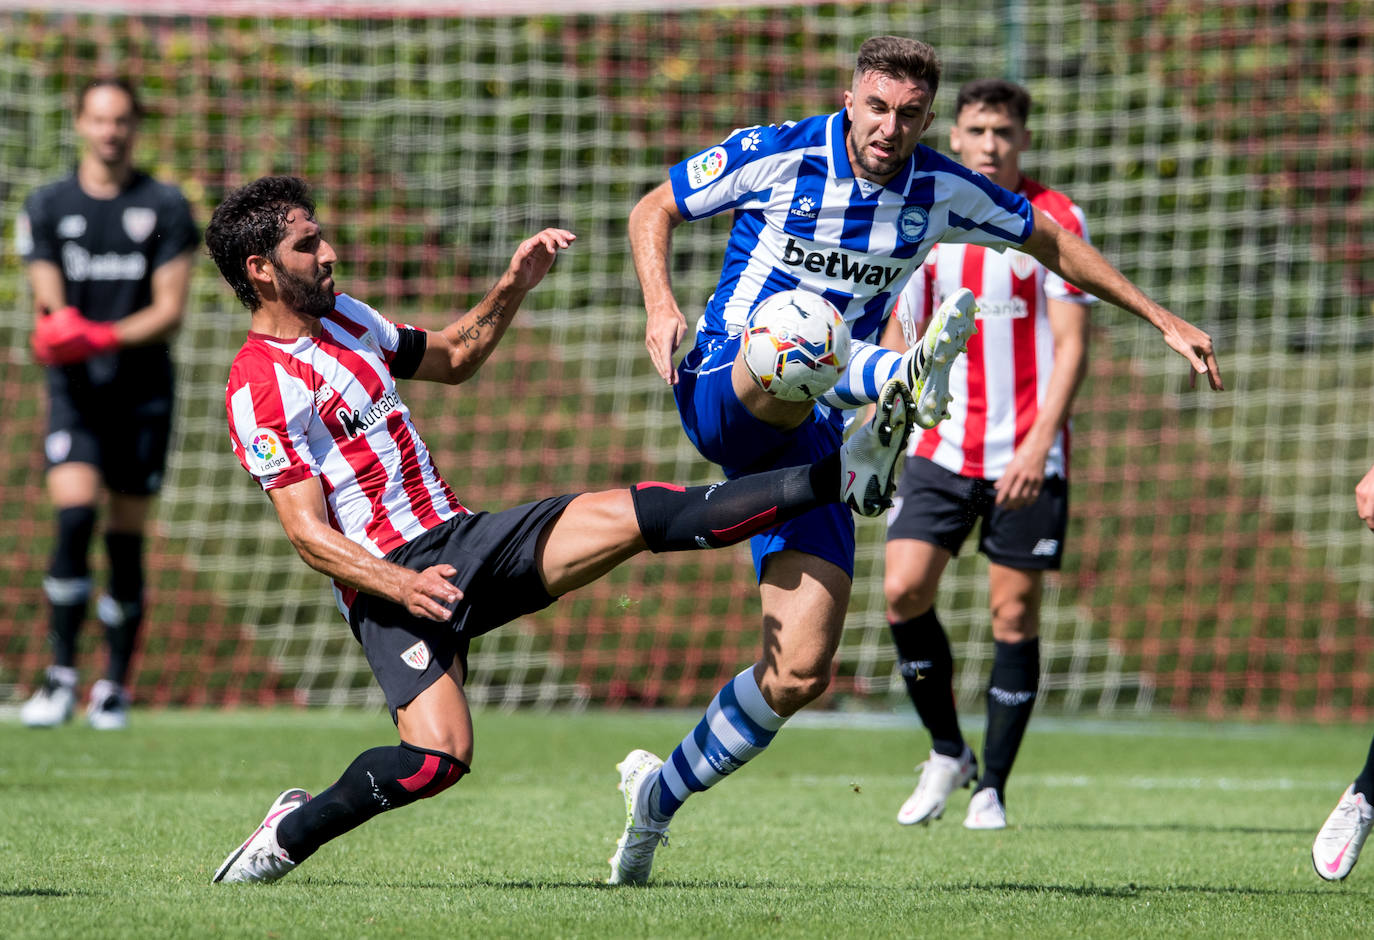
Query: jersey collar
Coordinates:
[840,167]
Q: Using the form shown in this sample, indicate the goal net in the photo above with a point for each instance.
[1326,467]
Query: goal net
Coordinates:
[1222,151]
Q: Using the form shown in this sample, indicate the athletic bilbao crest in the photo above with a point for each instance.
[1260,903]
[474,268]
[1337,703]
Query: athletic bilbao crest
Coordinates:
[139,223]
[1022,264]
[417,657]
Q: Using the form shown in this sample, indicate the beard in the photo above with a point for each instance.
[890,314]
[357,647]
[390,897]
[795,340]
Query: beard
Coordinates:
[303,296]
[875,168]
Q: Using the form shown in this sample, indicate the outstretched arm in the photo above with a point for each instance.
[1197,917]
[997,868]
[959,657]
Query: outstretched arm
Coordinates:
[1080,264]
[454,353]
[651,226]
[300,507]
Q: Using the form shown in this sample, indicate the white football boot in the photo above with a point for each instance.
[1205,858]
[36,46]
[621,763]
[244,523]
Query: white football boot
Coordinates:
[870,458]
[634,851]
[926,365]
[940,776]
[1338,844]
[985,811]
[261,858]
[52,704]
[109,706]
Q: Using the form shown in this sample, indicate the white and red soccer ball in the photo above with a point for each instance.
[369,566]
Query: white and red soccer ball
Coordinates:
[796,344]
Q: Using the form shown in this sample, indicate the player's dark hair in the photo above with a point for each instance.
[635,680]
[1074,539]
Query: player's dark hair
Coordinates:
[252,221]
[994,93]
[900,58]
[108,81]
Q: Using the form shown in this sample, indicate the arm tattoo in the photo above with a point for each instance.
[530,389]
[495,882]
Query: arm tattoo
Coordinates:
[470,334]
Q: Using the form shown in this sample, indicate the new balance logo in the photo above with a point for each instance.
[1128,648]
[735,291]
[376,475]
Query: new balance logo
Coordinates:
[355,423]
[1046,547]
[840,265]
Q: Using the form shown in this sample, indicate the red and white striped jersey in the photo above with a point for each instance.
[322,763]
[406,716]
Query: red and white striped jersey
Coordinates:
[328,407]
[999,383]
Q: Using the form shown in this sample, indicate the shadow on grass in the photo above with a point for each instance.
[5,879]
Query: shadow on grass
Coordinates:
[1118,892]
[1166,827]
[36,893]
[1130,890]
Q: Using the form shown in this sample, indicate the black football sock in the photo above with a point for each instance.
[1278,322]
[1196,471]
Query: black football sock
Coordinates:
[1011,697]
[677,518]
[68,584]
[122,611]
[1364,783]
[378,780]
[927,667]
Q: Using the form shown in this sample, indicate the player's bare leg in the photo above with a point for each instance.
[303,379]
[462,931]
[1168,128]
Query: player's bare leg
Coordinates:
[804,600]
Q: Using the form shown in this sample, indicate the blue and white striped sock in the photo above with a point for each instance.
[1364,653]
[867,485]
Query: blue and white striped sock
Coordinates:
[738,725]
[869,369]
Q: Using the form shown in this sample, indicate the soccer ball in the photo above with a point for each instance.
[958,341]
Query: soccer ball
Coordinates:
[796,344]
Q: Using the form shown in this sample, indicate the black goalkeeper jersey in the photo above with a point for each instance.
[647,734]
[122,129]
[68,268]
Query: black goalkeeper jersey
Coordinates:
[108,250]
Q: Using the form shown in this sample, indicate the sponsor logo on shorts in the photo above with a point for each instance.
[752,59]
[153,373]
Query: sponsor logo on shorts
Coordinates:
[417,657]
[705,167]
[1046,547]
[265,452]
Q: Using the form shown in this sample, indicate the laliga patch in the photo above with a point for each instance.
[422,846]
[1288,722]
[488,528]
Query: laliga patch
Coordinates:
[265,452]
[706,167]
[912,223]
[417,657]
[139,223]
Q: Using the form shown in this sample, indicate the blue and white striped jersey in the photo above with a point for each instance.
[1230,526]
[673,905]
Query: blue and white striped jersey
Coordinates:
[802,219]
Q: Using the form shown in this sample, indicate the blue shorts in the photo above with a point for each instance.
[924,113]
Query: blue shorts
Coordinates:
[724,431]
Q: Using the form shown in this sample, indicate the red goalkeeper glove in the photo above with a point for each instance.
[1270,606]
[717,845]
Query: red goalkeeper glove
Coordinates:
[64,337]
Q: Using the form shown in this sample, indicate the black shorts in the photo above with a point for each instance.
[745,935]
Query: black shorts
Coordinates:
[936,506]
[495,557]
[126,442]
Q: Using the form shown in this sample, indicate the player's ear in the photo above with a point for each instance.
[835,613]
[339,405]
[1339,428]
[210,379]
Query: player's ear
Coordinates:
[259,269]
[954,138]
[930,119]
[849,104]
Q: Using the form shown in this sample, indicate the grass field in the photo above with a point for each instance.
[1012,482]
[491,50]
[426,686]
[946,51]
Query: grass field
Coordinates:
[1119,830]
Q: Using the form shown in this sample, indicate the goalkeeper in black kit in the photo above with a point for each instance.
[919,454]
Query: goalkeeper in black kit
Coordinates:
[108,253]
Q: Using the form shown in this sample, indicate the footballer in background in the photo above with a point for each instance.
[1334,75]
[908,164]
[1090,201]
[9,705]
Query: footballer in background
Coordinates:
[108,252]
[1001,460]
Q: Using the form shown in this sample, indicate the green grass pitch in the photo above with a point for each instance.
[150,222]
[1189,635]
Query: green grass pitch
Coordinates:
[1119,830]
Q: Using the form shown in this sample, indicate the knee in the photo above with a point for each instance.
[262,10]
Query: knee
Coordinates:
[791,689]
[1015,621]
[434,772]
[906,597]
